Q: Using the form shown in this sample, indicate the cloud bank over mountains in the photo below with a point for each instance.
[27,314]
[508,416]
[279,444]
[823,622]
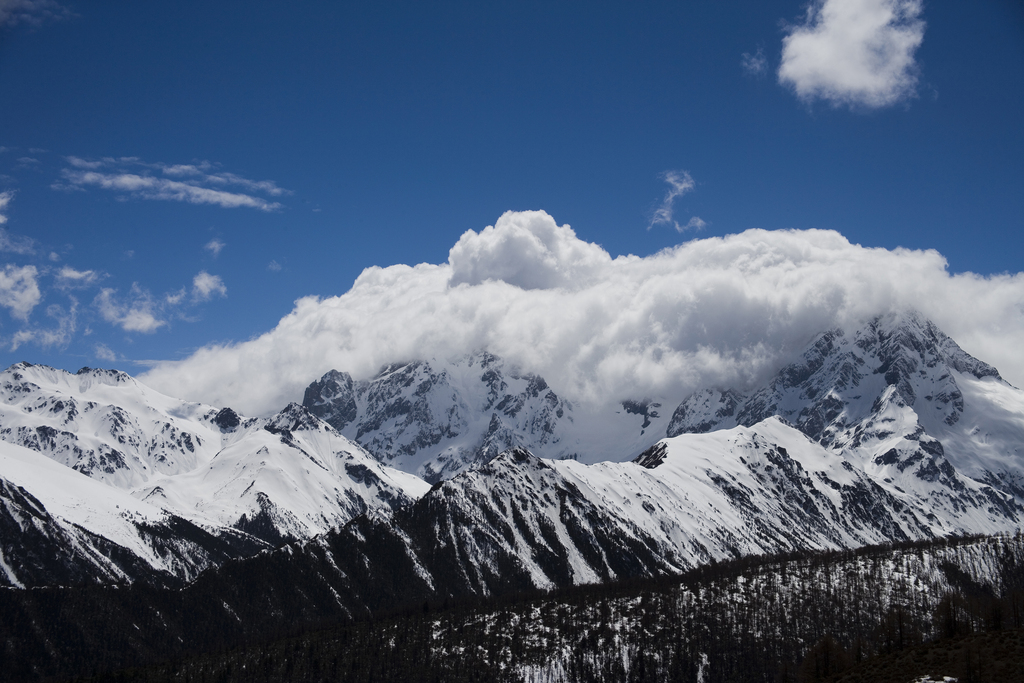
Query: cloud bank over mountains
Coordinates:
[721,311]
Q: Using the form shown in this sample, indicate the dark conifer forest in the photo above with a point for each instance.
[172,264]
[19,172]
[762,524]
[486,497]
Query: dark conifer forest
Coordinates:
[942,608]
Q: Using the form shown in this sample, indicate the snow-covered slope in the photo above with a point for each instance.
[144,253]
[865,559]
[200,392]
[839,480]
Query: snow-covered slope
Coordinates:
[286,477]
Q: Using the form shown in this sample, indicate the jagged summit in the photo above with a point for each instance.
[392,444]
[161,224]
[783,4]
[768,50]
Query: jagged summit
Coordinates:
[435,418]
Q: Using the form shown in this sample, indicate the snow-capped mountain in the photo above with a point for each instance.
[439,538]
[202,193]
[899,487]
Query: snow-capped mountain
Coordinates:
[437,418]
[898,398]
[104,424]
[889,432]
[251,483]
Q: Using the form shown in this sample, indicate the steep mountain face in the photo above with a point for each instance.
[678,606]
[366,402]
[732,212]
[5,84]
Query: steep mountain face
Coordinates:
[437,418]
[59,527]
[898,398]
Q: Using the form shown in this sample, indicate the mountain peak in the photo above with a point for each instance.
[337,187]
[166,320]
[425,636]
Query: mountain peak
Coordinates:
[437,417]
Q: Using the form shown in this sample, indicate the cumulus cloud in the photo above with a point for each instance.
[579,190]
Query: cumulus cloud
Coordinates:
[135,178]
[30,11]
[722,311]
[274,266]
[854,52]
[136,313]
[205,286]
[528,250]
[679,183]
[19,290]
[215,246]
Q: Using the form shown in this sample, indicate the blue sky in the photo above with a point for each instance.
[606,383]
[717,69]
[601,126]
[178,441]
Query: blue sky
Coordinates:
[207,164]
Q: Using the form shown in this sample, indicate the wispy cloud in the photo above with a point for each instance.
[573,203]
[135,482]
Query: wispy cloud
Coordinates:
[205,286]
[69,278]
[274,267]
[141,311]
[679,183]
[190,183]
[5,199]
[214,246]
[59,336]
[754,64]
[19,290]
[32,12]
[854,52]
[104,352]
[14,244]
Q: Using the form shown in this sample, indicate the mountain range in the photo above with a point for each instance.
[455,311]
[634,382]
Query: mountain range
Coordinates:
[473,477]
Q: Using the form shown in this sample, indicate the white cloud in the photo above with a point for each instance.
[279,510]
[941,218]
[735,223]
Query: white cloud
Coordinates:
[215,246]
[69,278]
[274,267]
[679,183]
[854,52]
[30,12]
[204,286]
[19,290]
[710,312]
[754,64]
[139,313]
[187,183]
